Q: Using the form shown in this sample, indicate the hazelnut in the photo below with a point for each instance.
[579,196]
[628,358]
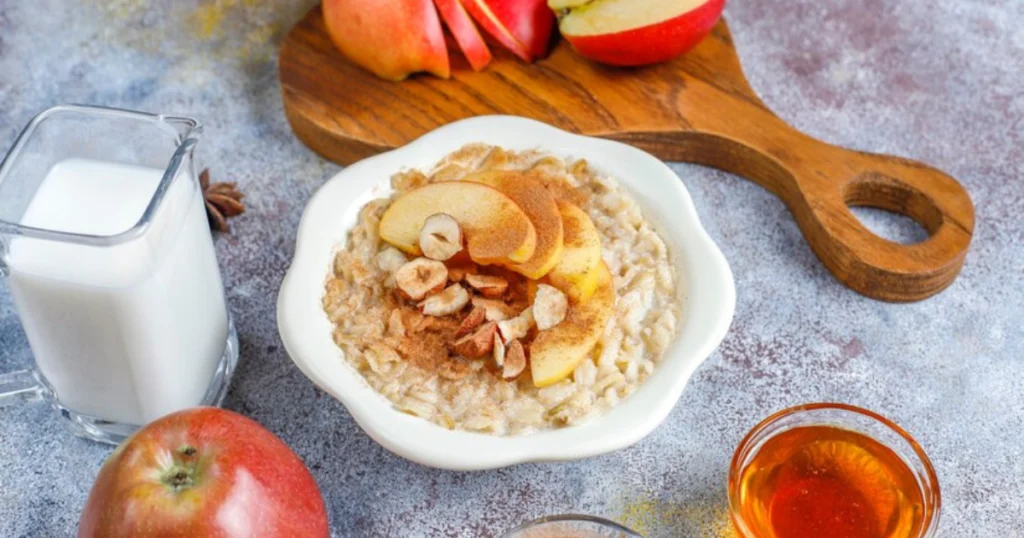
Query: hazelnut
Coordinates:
[448,302]
[478,344]
[488,285]
[475,318]
[515,361]
[420,277]
[440,237]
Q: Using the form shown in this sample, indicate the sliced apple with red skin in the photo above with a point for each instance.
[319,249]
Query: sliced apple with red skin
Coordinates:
[639,32]
[523,27]
[460,24]
[390,38]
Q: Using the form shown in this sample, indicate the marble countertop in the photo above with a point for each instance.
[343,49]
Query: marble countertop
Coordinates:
[936,80]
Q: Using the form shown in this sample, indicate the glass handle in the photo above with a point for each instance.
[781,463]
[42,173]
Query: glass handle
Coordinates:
[19,387]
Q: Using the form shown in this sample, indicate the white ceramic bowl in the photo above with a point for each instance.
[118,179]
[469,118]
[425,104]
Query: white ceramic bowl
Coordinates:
[705,286]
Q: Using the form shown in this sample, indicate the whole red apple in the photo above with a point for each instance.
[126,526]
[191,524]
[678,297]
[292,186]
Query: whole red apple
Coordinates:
[390,38]
[203,472]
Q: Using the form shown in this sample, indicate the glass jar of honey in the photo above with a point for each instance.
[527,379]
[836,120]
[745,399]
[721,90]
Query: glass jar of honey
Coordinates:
[835,471]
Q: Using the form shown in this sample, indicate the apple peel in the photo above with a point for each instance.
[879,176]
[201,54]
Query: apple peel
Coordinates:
[390,39]
[489,20]
[639,32]
[466,34]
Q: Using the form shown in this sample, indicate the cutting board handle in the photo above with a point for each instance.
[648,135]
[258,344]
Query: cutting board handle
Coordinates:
[871,264]
[820,182]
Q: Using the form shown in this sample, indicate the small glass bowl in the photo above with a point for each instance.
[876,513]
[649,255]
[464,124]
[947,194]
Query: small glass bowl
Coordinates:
[847,417]
[571,526]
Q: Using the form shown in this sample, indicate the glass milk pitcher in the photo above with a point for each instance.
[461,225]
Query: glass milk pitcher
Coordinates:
[109,262]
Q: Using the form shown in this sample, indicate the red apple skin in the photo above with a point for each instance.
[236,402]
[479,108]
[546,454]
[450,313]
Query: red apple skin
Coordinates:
[390,38]
[655,43]
[235,479]
[530,22]
[481,11]
[459,23]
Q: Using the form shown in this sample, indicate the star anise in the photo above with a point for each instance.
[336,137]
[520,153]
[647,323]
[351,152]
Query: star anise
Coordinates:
[223,201]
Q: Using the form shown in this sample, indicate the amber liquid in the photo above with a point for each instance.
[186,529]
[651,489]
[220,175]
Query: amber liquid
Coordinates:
[828,482]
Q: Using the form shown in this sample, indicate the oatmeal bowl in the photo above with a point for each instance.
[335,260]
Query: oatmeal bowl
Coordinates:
[501,291]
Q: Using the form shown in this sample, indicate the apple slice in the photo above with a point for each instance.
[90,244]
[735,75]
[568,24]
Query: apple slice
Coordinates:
[496,229]
[538,204]
[522,26]
[465,32]
[566,4]
[390,38]
[578,271]
[639,32]
[556,352]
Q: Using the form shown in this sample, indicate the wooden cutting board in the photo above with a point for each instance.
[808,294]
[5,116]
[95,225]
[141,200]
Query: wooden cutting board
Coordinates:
[698,109]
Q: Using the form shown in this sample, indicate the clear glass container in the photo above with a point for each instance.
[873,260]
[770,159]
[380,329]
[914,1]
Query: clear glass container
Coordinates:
[109,260]
[571,526]
[894,440]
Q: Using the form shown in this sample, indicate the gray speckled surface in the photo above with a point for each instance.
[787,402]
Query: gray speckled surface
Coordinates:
[936,80]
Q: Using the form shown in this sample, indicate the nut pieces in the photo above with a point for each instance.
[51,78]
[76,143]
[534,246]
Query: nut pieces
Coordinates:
[494,310]
[549,307]
[515,360]
[475,318]
[499,350]
[479,344]
[448,302]
[492,327]
[421,277]
[440,237]
[458,271]
[516,327]
[489,286]
[390,260]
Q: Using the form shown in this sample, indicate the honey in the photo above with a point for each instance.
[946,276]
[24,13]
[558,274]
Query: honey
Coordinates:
[821,481]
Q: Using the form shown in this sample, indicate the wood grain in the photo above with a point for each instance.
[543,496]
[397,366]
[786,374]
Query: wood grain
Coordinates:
[699,109]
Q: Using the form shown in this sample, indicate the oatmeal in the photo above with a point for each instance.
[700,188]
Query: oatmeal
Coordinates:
[510,311]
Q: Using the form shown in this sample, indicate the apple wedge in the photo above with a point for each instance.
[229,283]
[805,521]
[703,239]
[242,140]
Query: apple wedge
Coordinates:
[390,38]
[556,352]
[465,32]
[496,229]
[538,204]
[566,4]
[638,32]
[578,271]
[523,27]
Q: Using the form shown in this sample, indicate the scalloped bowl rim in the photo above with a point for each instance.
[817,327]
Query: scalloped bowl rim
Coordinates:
[705,286]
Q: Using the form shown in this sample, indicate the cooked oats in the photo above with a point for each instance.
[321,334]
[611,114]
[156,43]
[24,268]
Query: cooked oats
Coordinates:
[463,394]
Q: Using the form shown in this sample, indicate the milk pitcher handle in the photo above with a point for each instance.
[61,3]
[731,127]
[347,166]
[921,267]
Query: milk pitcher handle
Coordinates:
[21,386]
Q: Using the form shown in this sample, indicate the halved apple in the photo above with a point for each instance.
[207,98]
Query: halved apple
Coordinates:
[465,33]
[496,229]
[390,38]
[556,352]
[578,271]
[538,204]
[638,32]
[523,27]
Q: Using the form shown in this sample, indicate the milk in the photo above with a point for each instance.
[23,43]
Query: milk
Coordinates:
[129,332]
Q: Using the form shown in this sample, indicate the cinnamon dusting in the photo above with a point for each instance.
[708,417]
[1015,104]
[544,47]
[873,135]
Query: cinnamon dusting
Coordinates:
[428,342]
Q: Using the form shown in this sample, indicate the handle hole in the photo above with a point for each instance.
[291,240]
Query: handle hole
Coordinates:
[892,226]
[891,208]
